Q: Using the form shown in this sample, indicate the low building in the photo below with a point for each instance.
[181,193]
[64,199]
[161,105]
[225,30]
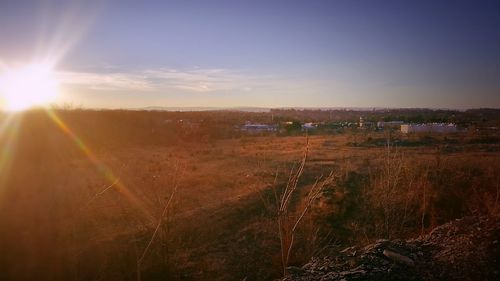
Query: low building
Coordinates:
[258,128]
[429,128]
[309,126]
[389,124]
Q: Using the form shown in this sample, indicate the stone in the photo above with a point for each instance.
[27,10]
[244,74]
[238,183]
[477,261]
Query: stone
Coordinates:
[398,257]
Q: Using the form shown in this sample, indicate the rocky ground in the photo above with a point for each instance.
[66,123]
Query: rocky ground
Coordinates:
[464,249]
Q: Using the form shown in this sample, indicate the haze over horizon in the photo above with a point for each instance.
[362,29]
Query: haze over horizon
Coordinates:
[132,54]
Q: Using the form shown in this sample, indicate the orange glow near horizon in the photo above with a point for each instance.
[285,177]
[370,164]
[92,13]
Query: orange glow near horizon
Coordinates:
[9,128]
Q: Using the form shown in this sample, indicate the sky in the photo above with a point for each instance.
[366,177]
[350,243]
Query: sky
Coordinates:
[272,53]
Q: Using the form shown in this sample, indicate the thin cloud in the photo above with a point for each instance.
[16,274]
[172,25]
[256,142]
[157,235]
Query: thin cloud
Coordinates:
[106,81]
[162,79]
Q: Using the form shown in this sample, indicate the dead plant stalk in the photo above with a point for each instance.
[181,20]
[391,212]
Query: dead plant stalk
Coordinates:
[288,225]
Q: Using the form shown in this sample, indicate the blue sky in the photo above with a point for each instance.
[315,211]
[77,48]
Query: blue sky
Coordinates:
[121,54]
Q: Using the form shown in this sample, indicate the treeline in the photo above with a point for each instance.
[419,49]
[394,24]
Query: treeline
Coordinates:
[488,117]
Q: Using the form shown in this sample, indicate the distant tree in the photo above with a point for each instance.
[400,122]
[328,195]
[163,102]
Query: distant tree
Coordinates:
[293,128]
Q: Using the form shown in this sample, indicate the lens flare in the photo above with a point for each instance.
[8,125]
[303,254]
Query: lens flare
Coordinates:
[101,167]
[28,86]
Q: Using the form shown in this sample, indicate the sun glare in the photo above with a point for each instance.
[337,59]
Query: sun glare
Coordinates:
[28,86]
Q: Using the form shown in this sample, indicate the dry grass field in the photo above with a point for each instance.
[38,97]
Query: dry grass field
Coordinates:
[118,200]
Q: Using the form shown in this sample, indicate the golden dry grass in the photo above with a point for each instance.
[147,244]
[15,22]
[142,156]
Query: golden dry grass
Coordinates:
[60,221]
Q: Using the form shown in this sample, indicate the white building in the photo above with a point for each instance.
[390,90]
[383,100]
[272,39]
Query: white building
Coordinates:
[429,128]
[257,128]
[308,126]
[389,124]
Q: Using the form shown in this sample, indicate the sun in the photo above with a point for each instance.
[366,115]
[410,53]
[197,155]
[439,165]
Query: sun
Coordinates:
[28,86]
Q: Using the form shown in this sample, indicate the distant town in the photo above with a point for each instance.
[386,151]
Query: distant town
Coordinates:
[250,127]
[328,121]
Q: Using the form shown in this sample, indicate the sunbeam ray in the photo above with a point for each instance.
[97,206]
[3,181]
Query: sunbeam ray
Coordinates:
[9,129]
[59,32]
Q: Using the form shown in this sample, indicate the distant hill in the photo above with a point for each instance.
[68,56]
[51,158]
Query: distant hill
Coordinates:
[201,108]
[268,109]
